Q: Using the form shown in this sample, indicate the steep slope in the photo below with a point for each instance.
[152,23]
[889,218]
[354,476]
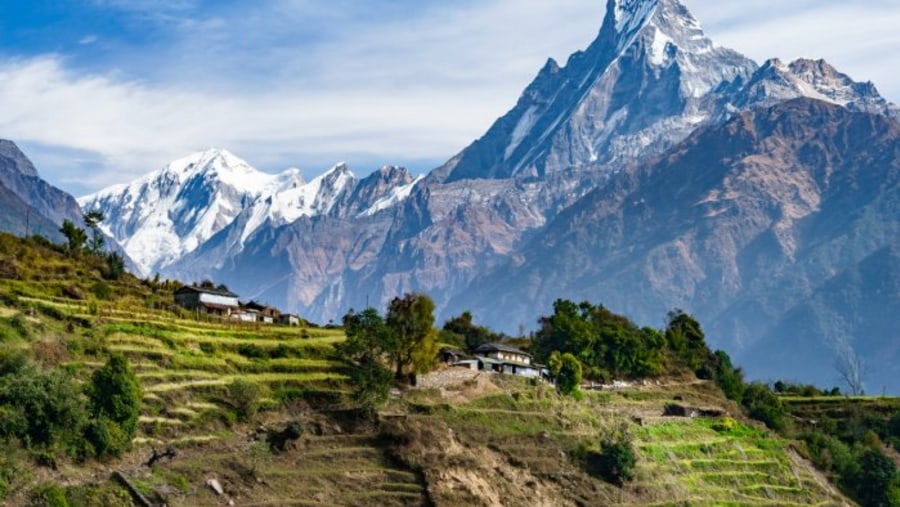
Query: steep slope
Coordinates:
[767,227]
[48,204]
[637,88]
[18,217]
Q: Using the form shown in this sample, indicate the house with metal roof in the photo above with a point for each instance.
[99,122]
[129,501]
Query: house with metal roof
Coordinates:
[209,300]
[502,358]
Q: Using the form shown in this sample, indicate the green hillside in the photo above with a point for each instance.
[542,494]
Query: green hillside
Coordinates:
[217,394]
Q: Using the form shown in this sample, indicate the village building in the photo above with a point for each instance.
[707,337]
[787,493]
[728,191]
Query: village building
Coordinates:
[497,358]
[261,313]
[287,319]
[503,358]
[219,302]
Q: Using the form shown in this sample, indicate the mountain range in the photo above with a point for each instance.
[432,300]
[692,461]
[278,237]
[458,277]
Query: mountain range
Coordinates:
[653,170]
[28,204]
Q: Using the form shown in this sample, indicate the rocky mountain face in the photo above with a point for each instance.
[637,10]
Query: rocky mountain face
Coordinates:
[773,228]
[639,87]
[654,164]
[28,201]
[18,217]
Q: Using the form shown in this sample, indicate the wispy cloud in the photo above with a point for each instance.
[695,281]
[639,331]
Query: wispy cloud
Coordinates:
[304,82]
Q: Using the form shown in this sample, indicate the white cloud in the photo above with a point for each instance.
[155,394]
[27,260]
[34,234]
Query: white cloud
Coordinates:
[292,82]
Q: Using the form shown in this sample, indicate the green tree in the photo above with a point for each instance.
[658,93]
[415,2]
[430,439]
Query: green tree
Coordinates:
[75,236]
[727,377]
[114,401]
[686,340]
[368,337]
[876,483]
[473,336]
[92,220]
[569,377]
[763,405]
[607,344]
[366,348]
[412,345]
[115,266]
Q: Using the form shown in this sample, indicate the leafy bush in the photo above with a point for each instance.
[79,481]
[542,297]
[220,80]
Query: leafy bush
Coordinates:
[569,377]
[115,402]
[614,462]
[876,480]
[42,409]
[105,438]
[244,396]
[49,496]
[371,385]
[763,405]
[102,290]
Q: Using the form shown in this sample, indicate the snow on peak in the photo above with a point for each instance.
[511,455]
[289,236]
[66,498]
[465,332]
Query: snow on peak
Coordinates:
[816,79]
[168,213]
[394,197]
[632,15]
[287,205]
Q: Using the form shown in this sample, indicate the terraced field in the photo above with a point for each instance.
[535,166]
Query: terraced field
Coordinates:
[494,440]
[535,437]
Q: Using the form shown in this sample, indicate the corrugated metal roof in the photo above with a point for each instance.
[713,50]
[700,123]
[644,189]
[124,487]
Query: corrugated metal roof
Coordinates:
[500,347]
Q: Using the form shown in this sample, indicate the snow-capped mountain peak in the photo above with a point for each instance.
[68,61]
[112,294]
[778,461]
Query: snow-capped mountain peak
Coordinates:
[629,17]
[776,81]
[168,213]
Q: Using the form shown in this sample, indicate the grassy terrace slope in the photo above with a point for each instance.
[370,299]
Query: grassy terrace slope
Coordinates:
[517,445]
[67,316]
[486,440]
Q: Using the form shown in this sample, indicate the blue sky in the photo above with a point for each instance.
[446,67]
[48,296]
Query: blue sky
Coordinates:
[100,91]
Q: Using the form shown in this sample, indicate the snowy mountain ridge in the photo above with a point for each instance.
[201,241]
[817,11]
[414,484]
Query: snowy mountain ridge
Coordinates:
[167,214]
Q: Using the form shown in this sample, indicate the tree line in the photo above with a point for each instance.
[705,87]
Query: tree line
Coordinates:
[588,340]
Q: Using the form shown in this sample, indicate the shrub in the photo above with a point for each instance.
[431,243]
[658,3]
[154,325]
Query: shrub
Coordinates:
[614,462]
[763,405]
[569,377]
[115,402]
[102,290]
[104,438]
[244,396]
[371,385]
[725,425]
[39,408]
[49,496]
[876,479]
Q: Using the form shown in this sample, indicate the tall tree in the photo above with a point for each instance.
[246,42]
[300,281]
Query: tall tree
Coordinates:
[852,370]
[473,336]
[686,339]
[92,220]
[366,348]
[75,236]
[411,322]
